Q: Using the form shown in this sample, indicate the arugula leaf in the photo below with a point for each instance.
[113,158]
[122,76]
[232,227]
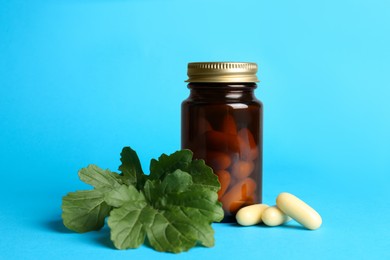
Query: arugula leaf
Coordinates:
[178,230]
[169,163]
[126,225]
[176,182]
[131,168]
[178,189]
[173,207]
[175,214]
[200,201]
[155,190]
[203,175]
[170,232]
[152,193]
[84,211]
[118,197]
[99,178]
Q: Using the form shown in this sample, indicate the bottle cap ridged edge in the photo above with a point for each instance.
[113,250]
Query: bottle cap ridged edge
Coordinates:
[222,72]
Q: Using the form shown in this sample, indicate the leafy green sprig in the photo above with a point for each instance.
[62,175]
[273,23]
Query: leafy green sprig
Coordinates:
[172,207]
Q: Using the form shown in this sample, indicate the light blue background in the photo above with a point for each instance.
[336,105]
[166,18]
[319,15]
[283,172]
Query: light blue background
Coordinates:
[81,79]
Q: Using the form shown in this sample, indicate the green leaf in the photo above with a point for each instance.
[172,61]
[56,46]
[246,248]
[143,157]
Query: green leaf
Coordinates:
[175,214]
[203,175]
[152,192]
[156,190]
[200,200]
[131,168]
[188,210]
[171,232]
[166,231]
[200,225]
[173,207]
[183,228]
[176,182]
[118,197]
[84,211]
[169,163]
[126,224]
[99,178]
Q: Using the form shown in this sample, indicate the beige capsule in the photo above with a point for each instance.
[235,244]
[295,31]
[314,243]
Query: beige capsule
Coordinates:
[298,210]
[250,215]
[273,216]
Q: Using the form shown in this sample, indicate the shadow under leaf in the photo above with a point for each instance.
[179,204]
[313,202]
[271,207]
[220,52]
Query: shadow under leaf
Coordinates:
[103,238]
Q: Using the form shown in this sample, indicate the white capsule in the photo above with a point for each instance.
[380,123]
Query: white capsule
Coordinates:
[273,216]
[298,210]
[250,215]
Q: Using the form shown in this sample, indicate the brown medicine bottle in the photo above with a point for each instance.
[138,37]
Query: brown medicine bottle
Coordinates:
[222,123]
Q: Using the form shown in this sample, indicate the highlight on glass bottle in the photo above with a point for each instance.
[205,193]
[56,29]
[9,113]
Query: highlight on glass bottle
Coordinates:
[222,124]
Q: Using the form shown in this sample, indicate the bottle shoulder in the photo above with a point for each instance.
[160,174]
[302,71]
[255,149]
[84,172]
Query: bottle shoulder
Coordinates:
[194,104]
[204,101]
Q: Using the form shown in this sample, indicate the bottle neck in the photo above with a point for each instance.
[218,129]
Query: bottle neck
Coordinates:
[232,92]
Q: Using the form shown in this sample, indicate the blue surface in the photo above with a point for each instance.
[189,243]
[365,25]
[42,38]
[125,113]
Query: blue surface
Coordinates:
[81,79]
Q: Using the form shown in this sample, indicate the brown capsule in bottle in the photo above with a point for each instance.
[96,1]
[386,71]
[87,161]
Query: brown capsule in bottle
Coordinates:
[224,180]
[240,194]
[217,160]
[247,145]
[203,125]
[229,125]
[242,169]
[221,141]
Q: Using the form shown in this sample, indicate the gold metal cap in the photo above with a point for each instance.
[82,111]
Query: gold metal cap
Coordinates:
[222,72]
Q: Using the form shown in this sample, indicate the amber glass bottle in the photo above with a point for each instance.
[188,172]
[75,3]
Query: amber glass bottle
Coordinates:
[222,124]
